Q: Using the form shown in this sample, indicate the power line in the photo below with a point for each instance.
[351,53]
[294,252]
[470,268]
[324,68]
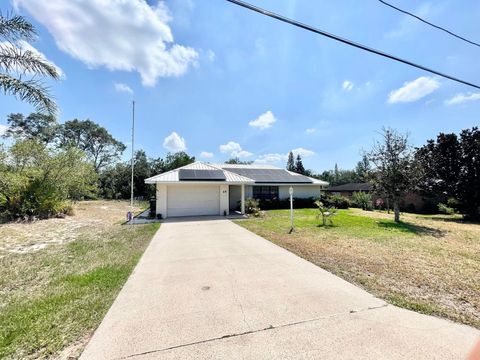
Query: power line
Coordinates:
[429,23]
[346,41]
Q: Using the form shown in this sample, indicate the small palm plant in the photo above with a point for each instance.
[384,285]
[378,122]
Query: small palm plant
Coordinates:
[20,67]
[325,212]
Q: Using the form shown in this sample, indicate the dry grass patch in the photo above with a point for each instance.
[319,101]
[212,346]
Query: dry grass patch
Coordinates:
[58,277]
[428,264]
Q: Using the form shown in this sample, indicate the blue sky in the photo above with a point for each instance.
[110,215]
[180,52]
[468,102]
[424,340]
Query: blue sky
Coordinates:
[219,81]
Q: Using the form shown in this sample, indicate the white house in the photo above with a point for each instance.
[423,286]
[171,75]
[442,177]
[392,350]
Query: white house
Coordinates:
[216,189]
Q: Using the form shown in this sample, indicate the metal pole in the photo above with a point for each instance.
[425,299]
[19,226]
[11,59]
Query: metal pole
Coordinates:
[132,162]
[291,207]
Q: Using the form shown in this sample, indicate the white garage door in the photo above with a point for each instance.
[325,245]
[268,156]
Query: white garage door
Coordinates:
[193,200]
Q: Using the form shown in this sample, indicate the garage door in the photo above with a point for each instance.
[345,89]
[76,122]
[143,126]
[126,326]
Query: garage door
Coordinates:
[193,200]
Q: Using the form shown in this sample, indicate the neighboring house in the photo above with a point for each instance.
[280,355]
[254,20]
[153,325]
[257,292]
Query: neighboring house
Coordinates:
[411,201]
[216,189]
[347,190]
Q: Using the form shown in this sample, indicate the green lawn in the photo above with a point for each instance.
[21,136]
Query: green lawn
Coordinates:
[55,298]
[428,264]
[343,224]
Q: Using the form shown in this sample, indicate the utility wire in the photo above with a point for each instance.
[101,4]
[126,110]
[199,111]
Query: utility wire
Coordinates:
[429,23]
[346,41]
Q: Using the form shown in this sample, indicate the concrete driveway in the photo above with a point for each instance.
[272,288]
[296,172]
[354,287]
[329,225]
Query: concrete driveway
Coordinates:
[214,290]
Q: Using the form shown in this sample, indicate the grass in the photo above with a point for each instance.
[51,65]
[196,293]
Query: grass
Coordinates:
[428,264]
[52,298]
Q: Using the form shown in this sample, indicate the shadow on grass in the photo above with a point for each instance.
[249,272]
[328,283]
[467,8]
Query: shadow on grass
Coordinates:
[327,226]
[447,218]
[412,229]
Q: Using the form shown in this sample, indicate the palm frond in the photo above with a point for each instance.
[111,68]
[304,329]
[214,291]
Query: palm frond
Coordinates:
[14,59]
[31,91]
[15,27]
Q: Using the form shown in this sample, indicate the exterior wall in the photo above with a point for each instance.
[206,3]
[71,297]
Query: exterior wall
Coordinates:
[162,200]
[300,192]
[224,200]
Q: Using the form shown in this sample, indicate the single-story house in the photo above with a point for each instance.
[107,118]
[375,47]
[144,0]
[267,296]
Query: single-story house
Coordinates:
[412,201]
[216,189]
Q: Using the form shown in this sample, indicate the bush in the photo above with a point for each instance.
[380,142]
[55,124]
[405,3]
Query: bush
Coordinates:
[363,200]
[336,201]
[38,181]
[298,203]
[445,209]
[252,207]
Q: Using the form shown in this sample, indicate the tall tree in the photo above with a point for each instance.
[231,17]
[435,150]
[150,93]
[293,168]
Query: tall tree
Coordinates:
[440,165]
[394,170]
[291,162]
[469,187]
[299,168]
[363,169]
[36,126]
[99,145]
[339,178]
[20,68]
[450,167]
[336,174]
[178,159]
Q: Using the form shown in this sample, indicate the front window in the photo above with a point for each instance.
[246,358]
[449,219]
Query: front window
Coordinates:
[265,192]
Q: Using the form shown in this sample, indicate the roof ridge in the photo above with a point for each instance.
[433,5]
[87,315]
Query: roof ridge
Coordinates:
[176,169]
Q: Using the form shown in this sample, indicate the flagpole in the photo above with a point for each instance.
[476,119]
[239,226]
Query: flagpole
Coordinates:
[132,162]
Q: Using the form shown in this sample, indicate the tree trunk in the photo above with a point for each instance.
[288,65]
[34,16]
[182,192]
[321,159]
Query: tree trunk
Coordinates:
[388,205]
[396,210]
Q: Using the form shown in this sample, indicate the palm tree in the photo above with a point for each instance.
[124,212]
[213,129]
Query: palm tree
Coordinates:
[20,68]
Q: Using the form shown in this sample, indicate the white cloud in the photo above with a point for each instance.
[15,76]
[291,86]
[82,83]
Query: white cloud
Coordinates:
[271,158]
[347,85]
[414,90]
[264,121]
[123,88]
[25,46]
[310,130]
[277,158]
[3,129]
[127,35]
[234,149]
[174,142]
[303,152]
[463,98]
[206,154]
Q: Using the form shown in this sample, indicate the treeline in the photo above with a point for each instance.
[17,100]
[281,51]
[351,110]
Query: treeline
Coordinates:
[446,169]
[49,165]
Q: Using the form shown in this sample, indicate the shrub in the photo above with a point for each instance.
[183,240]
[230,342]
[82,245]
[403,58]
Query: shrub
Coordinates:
[38,181]
[363,200]
[453,203]
[445,209]
[252,207]
[298,203]
[336,201]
